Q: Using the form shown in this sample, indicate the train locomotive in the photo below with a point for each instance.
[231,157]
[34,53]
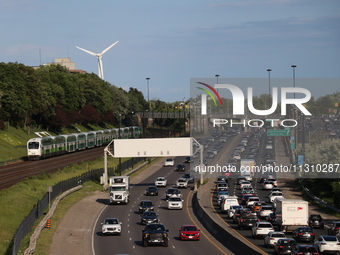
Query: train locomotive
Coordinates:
[50,146]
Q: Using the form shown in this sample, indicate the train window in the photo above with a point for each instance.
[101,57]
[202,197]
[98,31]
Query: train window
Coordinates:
[33,145]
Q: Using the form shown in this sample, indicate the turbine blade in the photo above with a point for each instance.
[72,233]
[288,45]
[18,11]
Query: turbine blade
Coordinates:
[87,51]
[109,47]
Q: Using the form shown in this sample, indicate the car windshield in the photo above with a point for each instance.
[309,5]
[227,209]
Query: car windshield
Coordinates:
[149,214]
[265,226]
[330,238]
[175,199]
[160,179]
[190,228]
[279,235]
[111,221]
[146,203]
[315,217]
[305,230]
[154,228]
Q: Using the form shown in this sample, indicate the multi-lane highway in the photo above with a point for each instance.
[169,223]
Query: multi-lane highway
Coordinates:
[130,240]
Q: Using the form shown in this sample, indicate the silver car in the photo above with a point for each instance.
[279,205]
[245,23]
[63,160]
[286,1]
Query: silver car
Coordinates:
[111,226]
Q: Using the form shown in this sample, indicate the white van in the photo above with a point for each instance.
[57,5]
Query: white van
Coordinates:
[227,202]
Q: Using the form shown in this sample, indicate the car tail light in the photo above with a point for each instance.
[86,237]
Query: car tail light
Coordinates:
[258,220]
[312,234]
[322,243]
[300,234]
[338,244]
[272,238]
[271,229]
[310,221]
[281,246]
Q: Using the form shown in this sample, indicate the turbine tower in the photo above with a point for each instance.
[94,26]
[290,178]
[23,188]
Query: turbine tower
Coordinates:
[99,57]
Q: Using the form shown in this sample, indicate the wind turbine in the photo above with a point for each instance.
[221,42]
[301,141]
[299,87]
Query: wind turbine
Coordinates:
[99,57]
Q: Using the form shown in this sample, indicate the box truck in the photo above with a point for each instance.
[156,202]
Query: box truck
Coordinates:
[291,213]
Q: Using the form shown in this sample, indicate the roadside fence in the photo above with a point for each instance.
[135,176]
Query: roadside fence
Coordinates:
[42,205]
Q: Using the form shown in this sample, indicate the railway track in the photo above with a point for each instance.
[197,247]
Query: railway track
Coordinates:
[14,173]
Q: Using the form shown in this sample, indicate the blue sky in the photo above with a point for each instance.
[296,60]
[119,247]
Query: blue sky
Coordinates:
[173,41]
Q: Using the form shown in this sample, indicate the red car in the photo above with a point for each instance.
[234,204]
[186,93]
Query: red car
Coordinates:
[189,232]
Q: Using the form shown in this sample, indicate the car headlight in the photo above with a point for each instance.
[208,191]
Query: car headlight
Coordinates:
[140,208]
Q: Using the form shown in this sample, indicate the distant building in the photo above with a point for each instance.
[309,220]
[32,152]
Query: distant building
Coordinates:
[71,66]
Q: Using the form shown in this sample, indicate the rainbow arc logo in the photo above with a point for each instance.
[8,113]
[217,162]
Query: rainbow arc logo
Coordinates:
[210,93]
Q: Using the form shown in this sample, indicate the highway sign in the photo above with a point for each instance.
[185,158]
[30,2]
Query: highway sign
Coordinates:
[278,132]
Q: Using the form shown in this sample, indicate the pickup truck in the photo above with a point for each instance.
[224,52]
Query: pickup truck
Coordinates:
[247,220]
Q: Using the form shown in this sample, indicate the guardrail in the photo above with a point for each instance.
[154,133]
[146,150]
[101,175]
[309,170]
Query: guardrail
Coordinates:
[318,200]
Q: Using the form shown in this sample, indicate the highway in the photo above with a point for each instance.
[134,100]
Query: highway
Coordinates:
[130,241]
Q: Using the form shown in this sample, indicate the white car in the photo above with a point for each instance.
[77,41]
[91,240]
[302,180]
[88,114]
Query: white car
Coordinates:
[275,194]
[237,156]
[271,238]
[261,228]
[169,162]
[269,146]
[267,185]
[327,244]
[182,183]
[111,226]
[264,211]
[251,201]
[175,202]
[160,182]
[231,211]
[245,183]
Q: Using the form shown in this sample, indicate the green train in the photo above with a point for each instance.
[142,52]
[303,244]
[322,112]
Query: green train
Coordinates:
[50,146]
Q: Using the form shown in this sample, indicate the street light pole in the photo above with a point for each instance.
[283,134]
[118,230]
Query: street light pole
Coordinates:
[147,85]
[269,70]
[294,110]
[217,75]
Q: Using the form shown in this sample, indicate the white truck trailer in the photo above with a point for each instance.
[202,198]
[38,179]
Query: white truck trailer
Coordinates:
[291,213]
[246,168]
[119,189]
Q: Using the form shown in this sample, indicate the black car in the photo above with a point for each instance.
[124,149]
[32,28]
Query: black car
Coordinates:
[238,213]
[171,192]
[247,220]
[272,218]
[315,220]
[304,234]
[304,249]
[285,246]
[180,167]
[187,160]
[151,191]
[145,205]
[189,177]
[149,217]
[155,233]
